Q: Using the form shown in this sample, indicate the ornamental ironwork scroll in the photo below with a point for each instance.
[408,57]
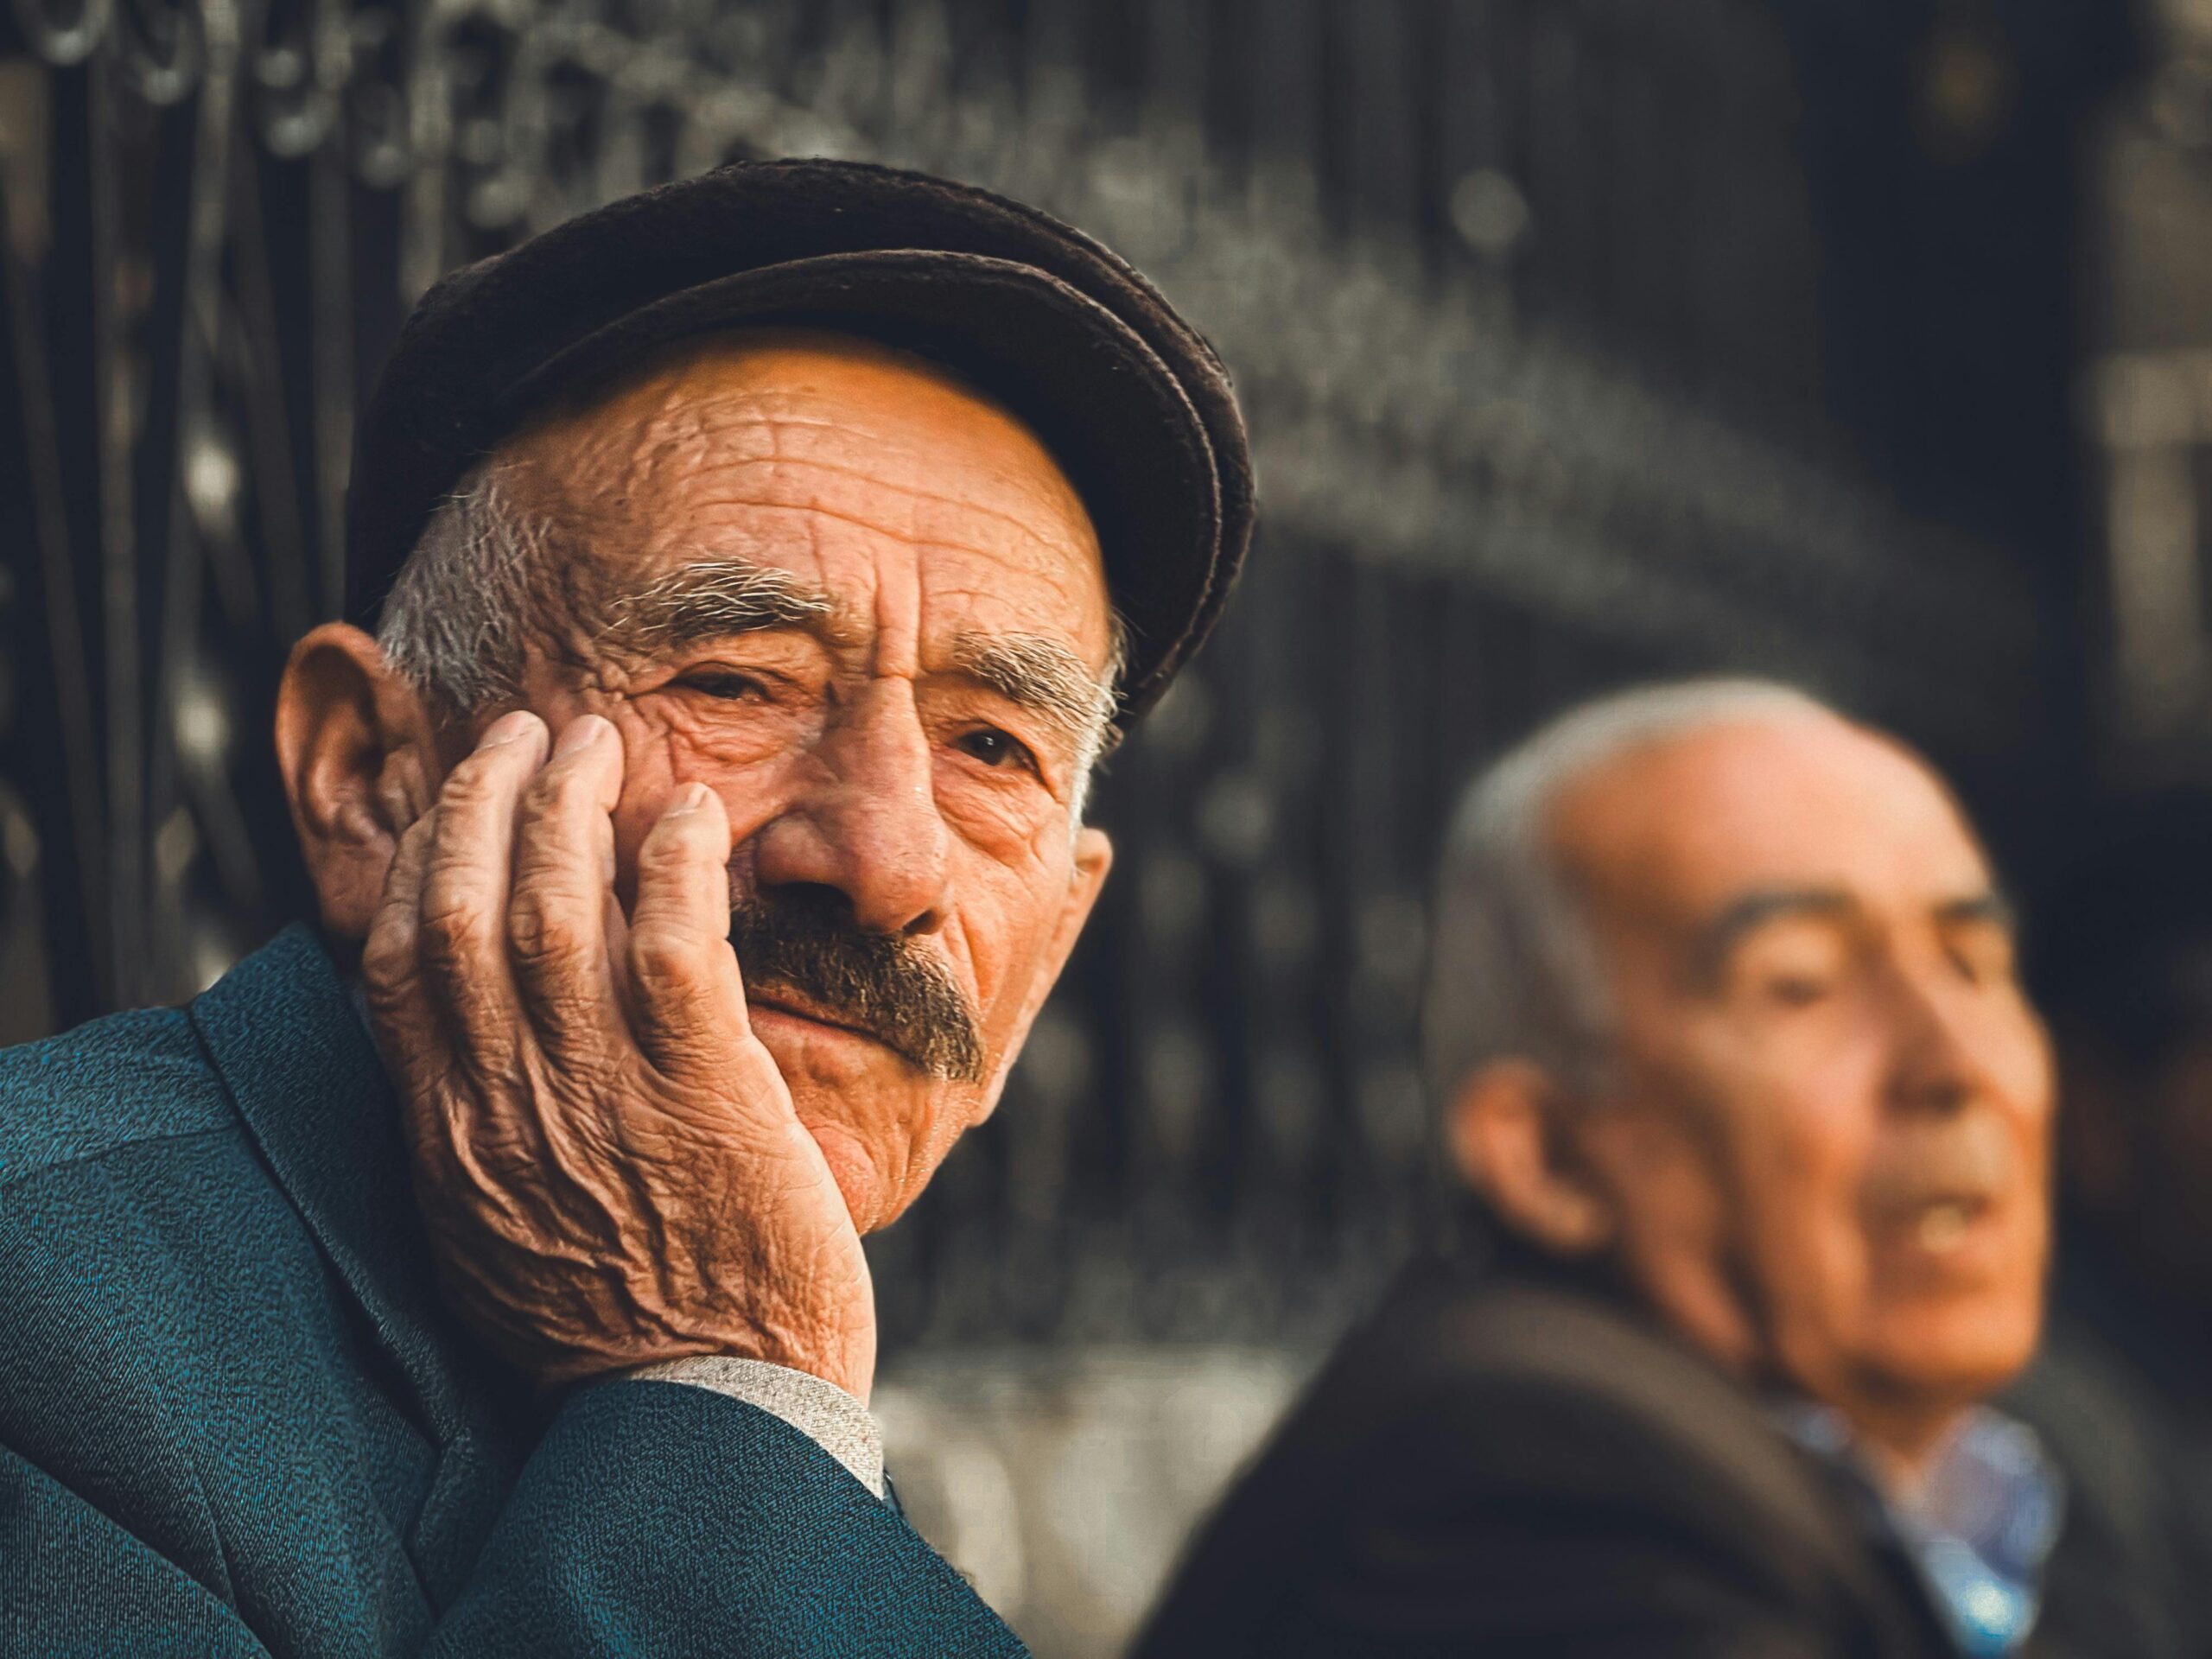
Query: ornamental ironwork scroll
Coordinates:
[218,210]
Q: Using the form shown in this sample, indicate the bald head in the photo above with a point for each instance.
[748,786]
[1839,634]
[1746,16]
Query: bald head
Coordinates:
[1739,816]
[1801,1102]
[1512,970]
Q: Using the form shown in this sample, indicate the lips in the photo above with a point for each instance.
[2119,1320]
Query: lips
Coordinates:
[1941,1225]
[796,1008]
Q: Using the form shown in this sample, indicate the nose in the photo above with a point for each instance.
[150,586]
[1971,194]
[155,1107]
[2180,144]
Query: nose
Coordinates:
[1941,1063]
[868,826]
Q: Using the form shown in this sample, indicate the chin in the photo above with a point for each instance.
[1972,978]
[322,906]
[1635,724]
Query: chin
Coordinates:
[880,1146]
[883,1125]
[868,1199]
[1965,1348]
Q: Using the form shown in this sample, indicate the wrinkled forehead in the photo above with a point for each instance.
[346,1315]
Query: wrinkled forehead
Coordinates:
[1674,832]
[816,453]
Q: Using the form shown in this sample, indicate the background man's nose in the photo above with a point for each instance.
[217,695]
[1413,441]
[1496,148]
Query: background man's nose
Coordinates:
[870,827]
[1938,1063]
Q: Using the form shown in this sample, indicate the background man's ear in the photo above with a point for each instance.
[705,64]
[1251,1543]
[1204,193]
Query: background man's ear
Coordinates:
[355,747]
[1508,1132]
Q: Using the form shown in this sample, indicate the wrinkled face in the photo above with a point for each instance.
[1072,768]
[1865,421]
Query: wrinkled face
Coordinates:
[863,604]
[1827,1142]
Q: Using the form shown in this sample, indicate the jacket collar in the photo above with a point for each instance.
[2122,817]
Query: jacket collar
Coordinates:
[284,1032]
[291,1045]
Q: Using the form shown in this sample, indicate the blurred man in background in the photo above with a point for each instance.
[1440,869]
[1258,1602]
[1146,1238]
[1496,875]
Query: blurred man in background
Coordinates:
[2120,961]
[1725,1024]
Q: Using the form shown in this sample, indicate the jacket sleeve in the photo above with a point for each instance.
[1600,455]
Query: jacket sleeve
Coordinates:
[74,1583]
[656,1518]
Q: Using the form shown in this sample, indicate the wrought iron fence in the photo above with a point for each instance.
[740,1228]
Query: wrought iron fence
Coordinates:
[1519,293]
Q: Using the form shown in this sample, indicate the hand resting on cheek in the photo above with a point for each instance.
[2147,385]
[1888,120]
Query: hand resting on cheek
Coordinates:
[606,1157]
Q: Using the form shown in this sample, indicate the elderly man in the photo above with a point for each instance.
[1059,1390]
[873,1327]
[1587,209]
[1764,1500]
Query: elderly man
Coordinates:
[763,561]
[1725,1024]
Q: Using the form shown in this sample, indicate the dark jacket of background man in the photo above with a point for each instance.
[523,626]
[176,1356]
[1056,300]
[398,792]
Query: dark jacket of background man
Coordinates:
[1740,1069]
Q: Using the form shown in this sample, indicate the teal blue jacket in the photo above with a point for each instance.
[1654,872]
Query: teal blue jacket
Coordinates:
[235,1420]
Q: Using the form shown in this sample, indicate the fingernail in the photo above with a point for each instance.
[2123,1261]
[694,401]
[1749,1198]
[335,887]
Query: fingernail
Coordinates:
[689,798]
[579,734]
[507,727]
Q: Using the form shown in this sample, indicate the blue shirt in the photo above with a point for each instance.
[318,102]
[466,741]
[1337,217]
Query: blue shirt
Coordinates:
[1978,1533]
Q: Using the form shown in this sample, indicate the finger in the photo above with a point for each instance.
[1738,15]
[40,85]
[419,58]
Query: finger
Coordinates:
[449,1128]
[564,875]
[439,1121]
[462,915]
[687,997]
[402,789]
[400,1011]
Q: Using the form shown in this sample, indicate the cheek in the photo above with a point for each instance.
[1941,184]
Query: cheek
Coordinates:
[1797,1118]
[1000,947]
[660,758]
[1008,896]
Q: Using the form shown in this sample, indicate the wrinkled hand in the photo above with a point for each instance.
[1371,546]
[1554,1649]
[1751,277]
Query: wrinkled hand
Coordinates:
[606,1157]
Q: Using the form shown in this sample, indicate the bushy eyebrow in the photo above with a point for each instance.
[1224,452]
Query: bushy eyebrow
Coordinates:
[1042,676]
[711,599]
[708,600]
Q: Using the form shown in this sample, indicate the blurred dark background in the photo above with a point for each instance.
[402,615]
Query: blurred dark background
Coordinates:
[1859,342]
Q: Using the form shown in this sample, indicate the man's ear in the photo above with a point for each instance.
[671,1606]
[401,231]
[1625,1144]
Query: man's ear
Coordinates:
[1509,1134]
[355,745]
[1094,859]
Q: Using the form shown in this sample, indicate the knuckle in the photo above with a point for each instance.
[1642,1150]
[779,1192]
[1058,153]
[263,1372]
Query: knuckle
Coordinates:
[450,931]
[663,957]
[476,780]
[413,851]
[676,842]
[540,931]
[387,961]
[556,791]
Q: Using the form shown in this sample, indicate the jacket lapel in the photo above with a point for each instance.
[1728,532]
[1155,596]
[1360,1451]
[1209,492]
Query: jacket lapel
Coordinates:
[283,1032]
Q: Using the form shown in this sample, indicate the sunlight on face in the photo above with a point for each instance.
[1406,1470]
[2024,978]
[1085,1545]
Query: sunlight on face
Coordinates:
[861,601]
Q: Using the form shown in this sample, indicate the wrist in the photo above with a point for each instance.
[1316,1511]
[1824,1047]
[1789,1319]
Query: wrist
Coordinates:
[826,1413]
[848,1365]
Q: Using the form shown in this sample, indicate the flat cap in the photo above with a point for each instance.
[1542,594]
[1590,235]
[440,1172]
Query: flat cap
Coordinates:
[1131,401]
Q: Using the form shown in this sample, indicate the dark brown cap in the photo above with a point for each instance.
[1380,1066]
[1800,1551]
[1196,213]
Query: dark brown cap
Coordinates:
[1131,401]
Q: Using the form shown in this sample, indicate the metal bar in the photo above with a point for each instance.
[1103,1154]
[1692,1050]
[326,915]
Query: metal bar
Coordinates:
[65,627]
[122,643]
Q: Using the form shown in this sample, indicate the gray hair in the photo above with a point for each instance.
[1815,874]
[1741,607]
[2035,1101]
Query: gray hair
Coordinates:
[1513,970]
[454,623]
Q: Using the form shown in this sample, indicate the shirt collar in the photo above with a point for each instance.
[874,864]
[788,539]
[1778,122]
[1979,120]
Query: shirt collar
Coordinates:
[1980,1531]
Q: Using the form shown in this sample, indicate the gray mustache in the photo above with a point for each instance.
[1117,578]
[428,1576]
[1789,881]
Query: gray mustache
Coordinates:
[807,942]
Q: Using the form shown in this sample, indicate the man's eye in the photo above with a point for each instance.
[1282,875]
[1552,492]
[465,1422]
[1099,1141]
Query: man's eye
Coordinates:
[1797,990]
[1988,963]
[995,748]
[724,684]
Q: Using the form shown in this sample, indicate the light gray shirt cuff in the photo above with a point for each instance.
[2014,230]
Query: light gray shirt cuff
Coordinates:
[822,1411]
